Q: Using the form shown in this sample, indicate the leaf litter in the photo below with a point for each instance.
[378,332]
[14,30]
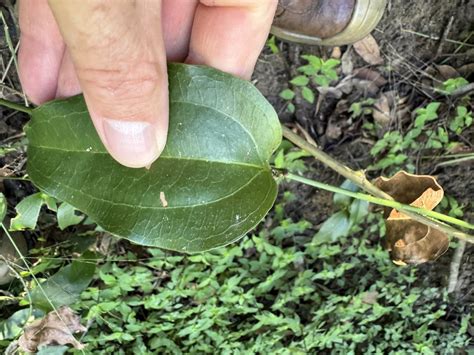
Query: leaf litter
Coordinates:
[56,328]
[409,241]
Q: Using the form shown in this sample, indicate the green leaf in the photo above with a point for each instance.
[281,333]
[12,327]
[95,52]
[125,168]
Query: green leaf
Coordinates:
[331,64]
[52,350]
[67,216]
[10,328]
[314,61]
[308,70]
[214,171]
[343,201]
[287,94]
[358,211]
[271,43]
[425,115]
[3,207]
[461,111]
[322,80]
[335,227]
[300,80]
[65,287]
[307,94]
[27,212]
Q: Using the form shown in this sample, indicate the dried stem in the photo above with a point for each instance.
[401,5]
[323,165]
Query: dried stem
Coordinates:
[455,266]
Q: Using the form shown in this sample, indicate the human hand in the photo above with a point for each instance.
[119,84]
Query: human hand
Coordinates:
[115,52]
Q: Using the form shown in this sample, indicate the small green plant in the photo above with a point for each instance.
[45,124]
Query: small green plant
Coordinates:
[284,287]
[287,158]
[394,148]
[461,121]
[271,43]
[361,108]
[317,72]
[451,85]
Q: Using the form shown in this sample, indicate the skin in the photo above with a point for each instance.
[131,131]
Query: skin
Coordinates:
[115,53]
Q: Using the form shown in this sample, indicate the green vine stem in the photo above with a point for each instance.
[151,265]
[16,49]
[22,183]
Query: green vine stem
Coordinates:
[15,106]
[382,202]
[360,180]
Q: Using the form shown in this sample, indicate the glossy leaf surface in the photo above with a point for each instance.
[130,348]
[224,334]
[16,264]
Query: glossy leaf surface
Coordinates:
[214,172]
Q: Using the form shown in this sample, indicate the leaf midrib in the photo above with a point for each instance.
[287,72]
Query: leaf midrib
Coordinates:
[152,207]
[257,167]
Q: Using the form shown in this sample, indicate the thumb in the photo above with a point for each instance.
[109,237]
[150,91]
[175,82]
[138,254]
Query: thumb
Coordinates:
[118,53]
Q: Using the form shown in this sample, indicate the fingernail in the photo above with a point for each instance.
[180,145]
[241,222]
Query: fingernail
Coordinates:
[131,143]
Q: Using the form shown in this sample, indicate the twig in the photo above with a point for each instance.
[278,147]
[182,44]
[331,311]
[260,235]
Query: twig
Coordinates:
[435,38]
[455,266]
[464,90]
[444,37]
[16,106]
[360,180]
[455,161]
[12,50]
[9,64]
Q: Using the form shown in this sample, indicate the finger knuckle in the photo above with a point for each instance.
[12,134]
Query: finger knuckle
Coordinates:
[128,83]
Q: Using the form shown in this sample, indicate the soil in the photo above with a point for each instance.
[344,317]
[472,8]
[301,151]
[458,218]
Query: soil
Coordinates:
[413,37]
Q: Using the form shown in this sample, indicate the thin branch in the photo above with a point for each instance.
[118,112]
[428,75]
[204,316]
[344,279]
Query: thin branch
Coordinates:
[455,266]
[358,178]
[15,106]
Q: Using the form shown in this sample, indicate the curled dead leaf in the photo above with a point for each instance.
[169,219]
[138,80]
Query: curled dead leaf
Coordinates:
[409,241]
[56,328]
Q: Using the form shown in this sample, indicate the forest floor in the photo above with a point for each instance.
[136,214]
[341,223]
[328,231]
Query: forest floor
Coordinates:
[421,46]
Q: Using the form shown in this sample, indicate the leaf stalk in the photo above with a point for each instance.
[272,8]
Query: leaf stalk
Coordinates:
[15,106]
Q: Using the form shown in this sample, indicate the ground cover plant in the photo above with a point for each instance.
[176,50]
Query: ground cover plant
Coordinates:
[314,276]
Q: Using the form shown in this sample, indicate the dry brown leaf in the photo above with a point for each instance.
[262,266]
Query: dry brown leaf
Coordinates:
[336,53]
[366,87]
[447,72]
[381,112]
[8,254]
[56,328]
[428,200]
[371,75]
[369,50]
[466,70]
[333,131]
[370,297]
[409,241]
[346,63]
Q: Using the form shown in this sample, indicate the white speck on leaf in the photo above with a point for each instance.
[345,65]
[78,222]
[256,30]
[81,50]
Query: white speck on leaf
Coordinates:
[164,203]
